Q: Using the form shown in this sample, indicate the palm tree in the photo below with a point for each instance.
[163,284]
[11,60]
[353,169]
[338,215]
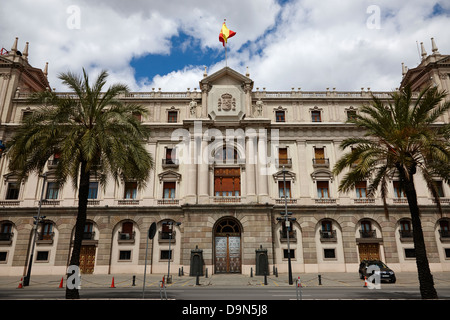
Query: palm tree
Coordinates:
[401,138]
[94,135]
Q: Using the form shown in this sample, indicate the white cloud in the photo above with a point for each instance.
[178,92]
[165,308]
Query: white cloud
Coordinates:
[306,43]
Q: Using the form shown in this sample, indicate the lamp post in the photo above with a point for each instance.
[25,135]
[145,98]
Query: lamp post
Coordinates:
[287,220]
[37,219]
[170,241]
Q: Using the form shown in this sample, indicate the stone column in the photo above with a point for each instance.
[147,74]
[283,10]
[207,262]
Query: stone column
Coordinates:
[250,168]
[262,169]
[203,173]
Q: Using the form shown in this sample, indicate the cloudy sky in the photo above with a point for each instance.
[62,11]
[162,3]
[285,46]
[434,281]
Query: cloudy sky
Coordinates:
[308,44]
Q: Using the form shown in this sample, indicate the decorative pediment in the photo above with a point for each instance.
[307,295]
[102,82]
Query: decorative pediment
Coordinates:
[169,175]
[322,174]
[278,176]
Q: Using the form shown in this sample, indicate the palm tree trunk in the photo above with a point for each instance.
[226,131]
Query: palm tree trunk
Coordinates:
[426,282]
[83,192]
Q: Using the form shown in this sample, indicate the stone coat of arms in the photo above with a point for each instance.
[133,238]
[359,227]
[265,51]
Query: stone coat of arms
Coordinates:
[226,102]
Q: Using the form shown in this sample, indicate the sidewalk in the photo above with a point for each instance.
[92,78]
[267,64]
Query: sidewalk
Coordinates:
[441,279]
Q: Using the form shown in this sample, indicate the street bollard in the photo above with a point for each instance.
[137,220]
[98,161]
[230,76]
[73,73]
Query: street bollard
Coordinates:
[320,280]
[134,281]
[206,273]
[179,272]
[251,272]
[197,283]
[298,289]
[276,272]
[265,278]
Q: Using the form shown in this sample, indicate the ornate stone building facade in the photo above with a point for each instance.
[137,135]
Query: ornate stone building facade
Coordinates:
[219,155]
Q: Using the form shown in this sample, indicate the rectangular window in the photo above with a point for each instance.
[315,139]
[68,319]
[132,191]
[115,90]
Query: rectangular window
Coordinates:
[3,256]
[410,253]
[361,189]
[93,190]
[447,253]
[286,254]
[281,189]
[125,255]
[169,190]
[166,254]
[12,192]
[440,189]
[130,190]
[322,190]
[329,253]
[42,256]
[351,115]
[172,116]
[279,116]
[315,116]
[398,192]
[52,190]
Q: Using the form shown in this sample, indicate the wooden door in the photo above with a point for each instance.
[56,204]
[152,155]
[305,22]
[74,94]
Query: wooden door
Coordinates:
[369,251]
[87,259]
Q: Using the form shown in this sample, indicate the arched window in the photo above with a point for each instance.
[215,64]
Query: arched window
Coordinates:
[226,154]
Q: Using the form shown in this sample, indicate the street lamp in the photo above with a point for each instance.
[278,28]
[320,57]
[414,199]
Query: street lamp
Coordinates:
[287,220]
[37,220]
[170,223]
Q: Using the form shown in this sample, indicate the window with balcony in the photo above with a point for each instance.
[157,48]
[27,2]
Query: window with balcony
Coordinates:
[130,190]
[398,191]
[366,230]
[170,159]
[88,233]
[283,159]
[326,232]
[126,232]
[12,193]
[444,230]
[319,158]
[227,183]
[281,189]
[226,155]
[6,232]
[280,116]
[323,191]
[46,231]
[169,190]
[93,190]
[405,230]
[361,189]
[52,191]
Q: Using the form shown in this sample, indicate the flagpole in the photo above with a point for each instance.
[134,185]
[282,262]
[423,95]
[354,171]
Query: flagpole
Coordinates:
[226,62]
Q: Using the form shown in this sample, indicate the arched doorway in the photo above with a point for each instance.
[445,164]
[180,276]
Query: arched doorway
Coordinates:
[227,246]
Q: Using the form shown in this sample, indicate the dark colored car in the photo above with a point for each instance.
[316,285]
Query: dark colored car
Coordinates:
[386,274]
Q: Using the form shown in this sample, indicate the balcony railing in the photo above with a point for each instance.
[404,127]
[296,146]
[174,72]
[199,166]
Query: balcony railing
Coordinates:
[166,236]
[127,236]
[368,233]
[9,203]
[284,162]
[328,235]
[45,236]
[406,235]
[444,235]
[168,202]
[227,199]
[321,162]
[6,236]
[292,236]
[288,200]
[170,163]
[364,201]
[325,201]
[128,202]
[88,235]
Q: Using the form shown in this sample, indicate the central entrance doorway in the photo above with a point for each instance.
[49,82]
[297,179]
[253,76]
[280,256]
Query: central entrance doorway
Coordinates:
[227,244]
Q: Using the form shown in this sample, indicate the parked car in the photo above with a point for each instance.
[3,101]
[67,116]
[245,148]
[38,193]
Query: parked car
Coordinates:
[386,273]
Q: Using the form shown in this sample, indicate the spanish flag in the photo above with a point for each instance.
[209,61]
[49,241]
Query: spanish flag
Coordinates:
[225,33]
